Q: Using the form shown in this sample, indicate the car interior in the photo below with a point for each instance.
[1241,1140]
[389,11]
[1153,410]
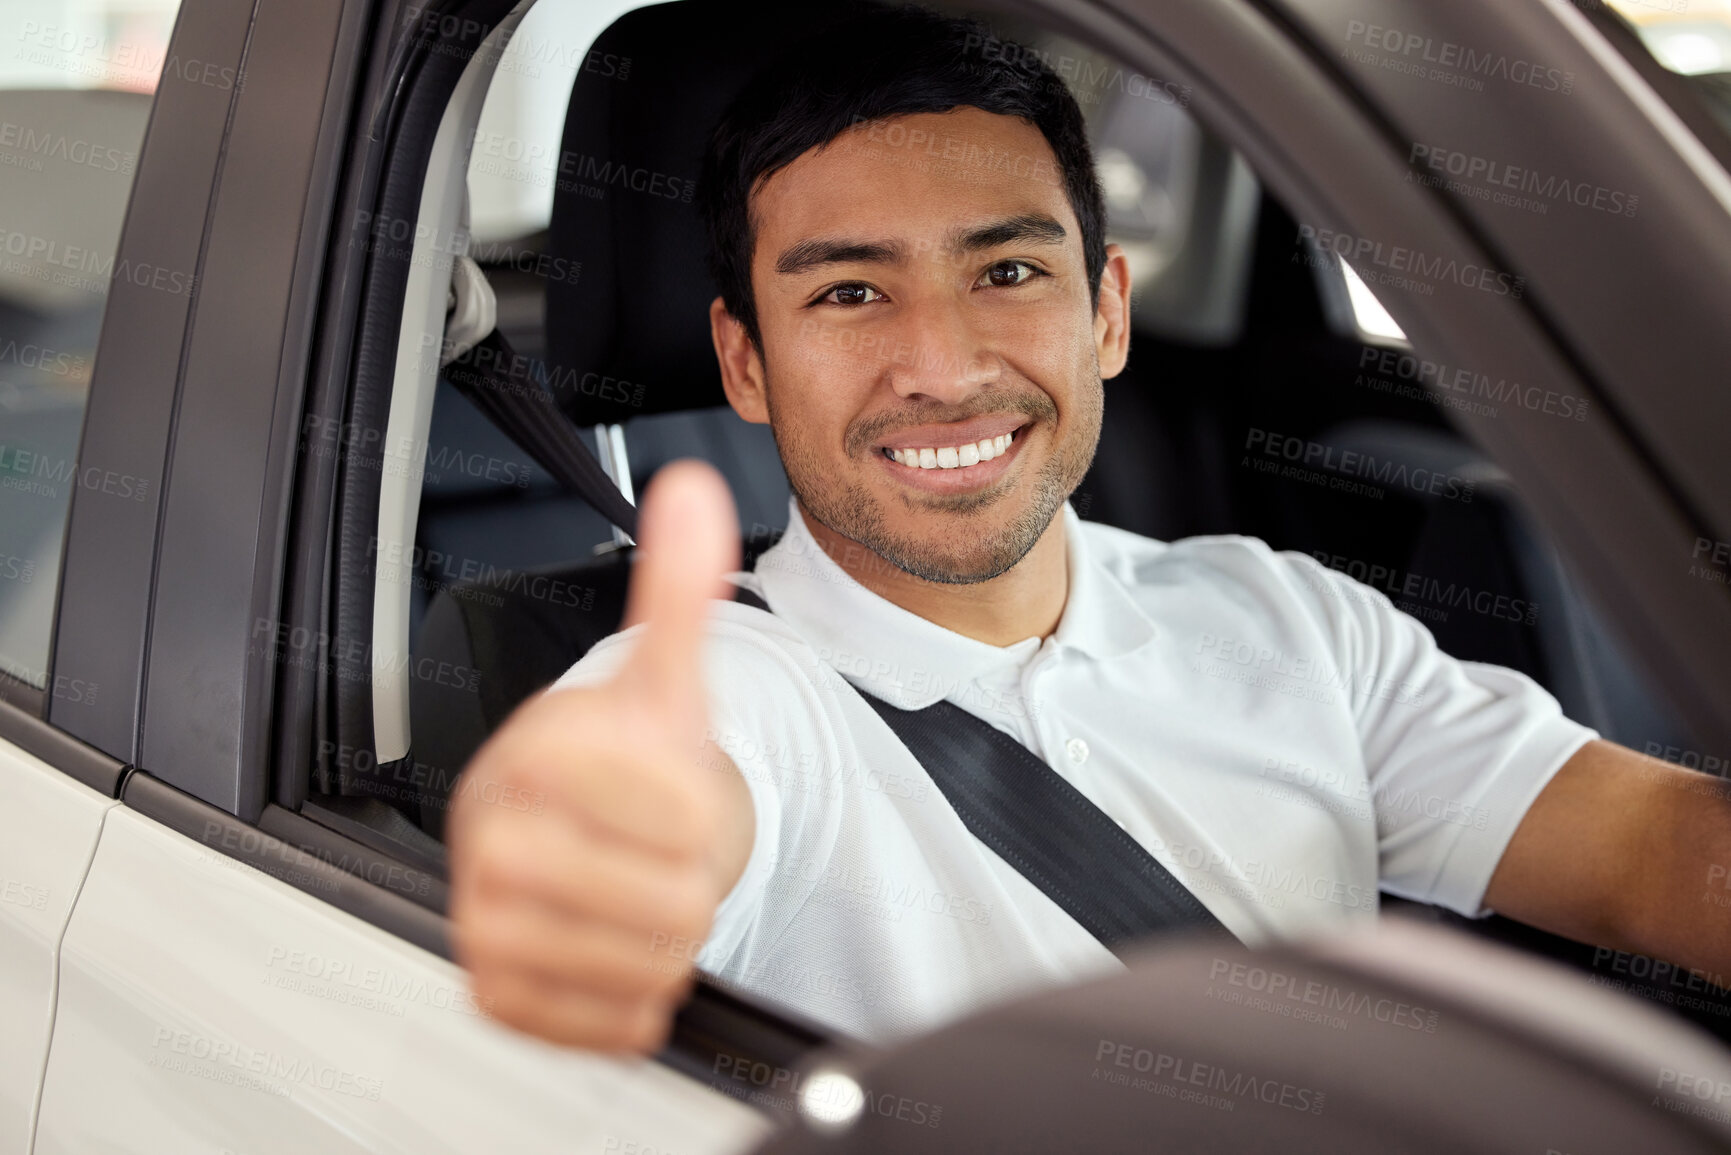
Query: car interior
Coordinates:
[1244,329]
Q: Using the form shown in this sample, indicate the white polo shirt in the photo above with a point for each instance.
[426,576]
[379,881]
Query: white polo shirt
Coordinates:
[1277,735]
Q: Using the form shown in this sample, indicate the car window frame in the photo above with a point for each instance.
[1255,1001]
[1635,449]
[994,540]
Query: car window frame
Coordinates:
[1265,76]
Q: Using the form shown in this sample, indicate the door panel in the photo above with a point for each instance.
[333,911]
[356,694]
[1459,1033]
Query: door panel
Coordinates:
[206,1006]
[48,830]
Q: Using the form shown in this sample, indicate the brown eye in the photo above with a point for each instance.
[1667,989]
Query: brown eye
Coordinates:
[852,295]
[1008,274]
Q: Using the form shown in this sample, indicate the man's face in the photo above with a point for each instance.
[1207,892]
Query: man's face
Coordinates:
[921,295]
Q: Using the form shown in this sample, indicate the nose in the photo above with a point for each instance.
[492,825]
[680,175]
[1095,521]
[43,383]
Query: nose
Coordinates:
[937,355]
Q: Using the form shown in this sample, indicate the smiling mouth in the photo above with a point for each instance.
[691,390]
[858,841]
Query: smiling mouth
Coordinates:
[952,456]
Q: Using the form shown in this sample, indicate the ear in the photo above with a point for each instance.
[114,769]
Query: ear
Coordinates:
[1112,318]
[741,365]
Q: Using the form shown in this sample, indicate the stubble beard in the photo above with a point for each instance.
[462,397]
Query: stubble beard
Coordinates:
[850,510]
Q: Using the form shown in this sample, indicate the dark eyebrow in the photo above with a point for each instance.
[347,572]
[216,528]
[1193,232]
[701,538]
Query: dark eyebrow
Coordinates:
[810,254]
[1035,227]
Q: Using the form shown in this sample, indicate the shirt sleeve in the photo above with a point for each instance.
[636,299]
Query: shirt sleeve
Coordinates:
[746,673]
[1455,752]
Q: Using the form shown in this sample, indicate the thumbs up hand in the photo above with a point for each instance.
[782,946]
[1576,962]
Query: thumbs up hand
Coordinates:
[579,920]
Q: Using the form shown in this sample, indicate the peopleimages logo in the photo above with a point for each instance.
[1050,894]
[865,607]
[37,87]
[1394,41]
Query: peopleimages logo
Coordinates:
[1384,471]
[225,1061]
[928,149]
[1450,380]
[28,471]
[1085,75]
[1444,60]
[1412,269]
[1711,560]
[83,54]
[1492,176]
[512,157]
[326,977]
[1405,586]
[1644,967]
[1716,765]
[301,647]
[82,269]
[41,358]
[1308,992]
[58,146]
[838,882]
[1113,1058]
[522,376]
[817,1091]
[1686,1085]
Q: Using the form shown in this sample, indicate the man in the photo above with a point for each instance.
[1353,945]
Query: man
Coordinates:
[916,296]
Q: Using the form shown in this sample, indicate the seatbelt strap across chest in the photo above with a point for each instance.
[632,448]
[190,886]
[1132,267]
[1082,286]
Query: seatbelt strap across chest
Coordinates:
[1011,800]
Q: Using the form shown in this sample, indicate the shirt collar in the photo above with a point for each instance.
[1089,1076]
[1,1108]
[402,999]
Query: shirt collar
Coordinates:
[911,662]
[1101,619]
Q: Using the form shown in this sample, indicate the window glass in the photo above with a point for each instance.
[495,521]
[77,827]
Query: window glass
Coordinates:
[76,82]
[1691,38]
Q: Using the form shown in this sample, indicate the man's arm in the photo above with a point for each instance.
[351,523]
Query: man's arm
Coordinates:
[1624,851]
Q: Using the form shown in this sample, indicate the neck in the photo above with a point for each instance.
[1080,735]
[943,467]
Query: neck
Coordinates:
[1025,601]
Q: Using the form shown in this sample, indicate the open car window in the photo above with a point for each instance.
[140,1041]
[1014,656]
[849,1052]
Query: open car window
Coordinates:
[1268,396]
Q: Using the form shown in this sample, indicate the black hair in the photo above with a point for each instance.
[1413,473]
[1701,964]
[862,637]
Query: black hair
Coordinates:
[879,63]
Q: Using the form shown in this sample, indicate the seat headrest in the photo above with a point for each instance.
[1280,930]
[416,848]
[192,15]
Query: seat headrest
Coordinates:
[629,334]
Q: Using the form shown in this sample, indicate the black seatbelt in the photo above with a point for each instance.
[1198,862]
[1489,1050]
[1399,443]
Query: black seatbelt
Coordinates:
[1048,830]
[502,387]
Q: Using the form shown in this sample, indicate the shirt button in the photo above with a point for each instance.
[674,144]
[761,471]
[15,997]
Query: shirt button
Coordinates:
[1077,750]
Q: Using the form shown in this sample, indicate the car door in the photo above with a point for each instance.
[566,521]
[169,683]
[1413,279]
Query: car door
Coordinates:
[76,92]
[235,977]
[51,823]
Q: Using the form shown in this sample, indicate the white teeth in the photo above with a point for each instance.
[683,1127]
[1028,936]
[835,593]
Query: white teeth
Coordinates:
[953,456]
